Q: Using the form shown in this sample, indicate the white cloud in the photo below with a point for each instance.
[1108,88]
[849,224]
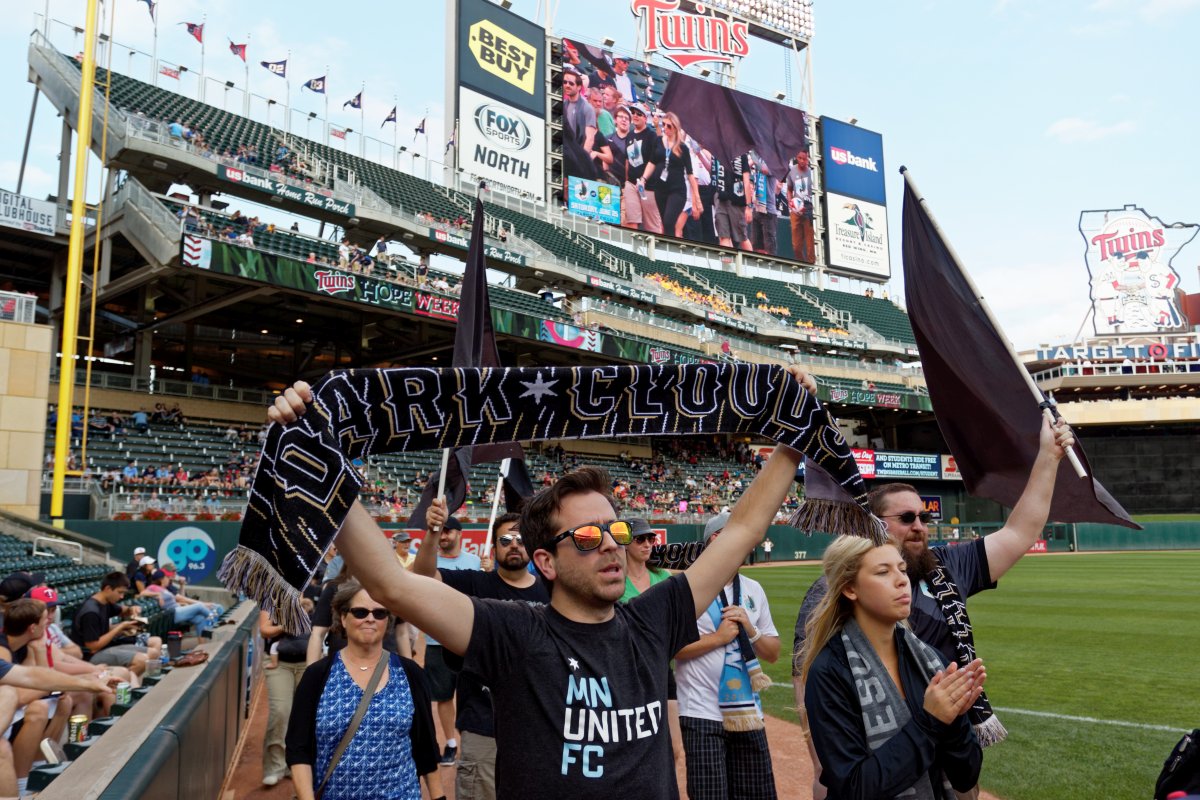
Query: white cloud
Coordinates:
[1072,130]
[1155,10]
[38,182]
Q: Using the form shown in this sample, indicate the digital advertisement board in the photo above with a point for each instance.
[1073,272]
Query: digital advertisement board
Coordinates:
[594,199]
[853,161]
[501,55]
[858,235]
[908,465]
[686,157]
[501,143]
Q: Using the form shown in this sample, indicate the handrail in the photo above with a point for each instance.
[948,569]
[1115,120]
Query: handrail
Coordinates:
[133,192]
[201,391]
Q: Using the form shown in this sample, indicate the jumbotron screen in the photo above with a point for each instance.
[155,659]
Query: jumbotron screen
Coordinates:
[660,151]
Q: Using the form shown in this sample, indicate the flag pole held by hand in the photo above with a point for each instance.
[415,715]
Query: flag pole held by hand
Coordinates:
[1048,409]
[442,478]
[487,541]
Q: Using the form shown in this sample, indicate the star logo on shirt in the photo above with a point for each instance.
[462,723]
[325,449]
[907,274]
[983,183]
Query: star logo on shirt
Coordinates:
[538,389]
[573,664]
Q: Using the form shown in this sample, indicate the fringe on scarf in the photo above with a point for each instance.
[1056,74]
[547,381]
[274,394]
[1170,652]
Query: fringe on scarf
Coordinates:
[839,519]
[991,731]
[759,680]
[253,575]
[742,722]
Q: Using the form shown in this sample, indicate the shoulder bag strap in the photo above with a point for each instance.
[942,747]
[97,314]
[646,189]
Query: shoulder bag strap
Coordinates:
[359,713]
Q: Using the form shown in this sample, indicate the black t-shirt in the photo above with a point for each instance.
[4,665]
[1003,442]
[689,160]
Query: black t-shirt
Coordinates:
[18,655]
[617,145]
[671,170]
[589,699]
[641,149]
[728,180]
[92,620]
[474,698]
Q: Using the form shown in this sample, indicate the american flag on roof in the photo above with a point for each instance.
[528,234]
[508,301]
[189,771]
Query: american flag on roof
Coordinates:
[195,30]
[238,50]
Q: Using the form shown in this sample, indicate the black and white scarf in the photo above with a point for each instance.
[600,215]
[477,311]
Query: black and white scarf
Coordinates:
[306,481]
[884,710]
[988,728]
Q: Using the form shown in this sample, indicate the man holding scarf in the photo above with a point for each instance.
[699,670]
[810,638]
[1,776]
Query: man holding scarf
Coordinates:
[944,576]
[719,678]
[561,674]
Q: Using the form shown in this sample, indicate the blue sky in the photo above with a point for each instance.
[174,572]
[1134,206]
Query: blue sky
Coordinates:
[1013,115]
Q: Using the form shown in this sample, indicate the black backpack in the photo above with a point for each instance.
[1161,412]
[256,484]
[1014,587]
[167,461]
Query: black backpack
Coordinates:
[1181,770]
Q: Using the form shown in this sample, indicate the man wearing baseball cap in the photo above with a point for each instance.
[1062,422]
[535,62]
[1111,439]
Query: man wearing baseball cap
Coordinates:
[135,562]
[403,541]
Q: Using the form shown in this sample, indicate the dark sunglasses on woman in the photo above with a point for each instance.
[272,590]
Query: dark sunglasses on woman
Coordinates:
[361,613]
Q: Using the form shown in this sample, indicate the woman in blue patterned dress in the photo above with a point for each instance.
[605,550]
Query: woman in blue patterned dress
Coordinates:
[396,742]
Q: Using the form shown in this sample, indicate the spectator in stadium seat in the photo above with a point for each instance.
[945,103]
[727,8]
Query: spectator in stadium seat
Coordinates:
[968,568]
[141,420]
[395,745]
[104,643]
[146,567]
[65,656]
[135,563]
[183,610]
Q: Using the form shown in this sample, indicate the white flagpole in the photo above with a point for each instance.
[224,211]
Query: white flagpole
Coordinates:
[327,105]
[203,22]
[442,479]
[987,312]
[246,63]
[487,541]
[362,123]
[287,96]
[395,133]
[154,56]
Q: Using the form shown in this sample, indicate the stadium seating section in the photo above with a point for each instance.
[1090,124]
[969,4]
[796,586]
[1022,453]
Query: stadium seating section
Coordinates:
[226,131]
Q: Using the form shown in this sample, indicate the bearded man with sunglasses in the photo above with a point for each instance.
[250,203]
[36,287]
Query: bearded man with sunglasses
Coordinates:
[579,687]
[965,569]
[510,580]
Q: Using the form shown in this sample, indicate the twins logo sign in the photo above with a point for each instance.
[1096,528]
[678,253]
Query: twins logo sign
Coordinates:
[192,552]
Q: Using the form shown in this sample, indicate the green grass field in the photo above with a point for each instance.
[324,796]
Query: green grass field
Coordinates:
[1112,637]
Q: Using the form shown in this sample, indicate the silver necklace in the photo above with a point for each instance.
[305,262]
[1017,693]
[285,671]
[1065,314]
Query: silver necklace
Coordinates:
[360,669]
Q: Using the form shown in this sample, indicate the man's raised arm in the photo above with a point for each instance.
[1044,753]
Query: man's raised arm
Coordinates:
[1006,546]
[749,519]
[431,606]
[425,561]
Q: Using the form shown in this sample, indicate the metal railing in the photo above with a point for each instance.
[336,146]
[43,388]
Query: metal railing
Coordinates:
[134,193]
[15,307]
[200,391]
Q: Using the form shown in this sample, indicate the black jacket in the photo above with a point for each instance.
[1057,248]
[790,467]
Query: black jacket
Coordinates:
[850,768]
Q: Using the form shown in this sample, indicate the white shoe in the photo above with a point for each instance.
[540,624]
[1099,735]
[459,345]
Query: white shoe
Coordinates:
[53,751]
[271,780]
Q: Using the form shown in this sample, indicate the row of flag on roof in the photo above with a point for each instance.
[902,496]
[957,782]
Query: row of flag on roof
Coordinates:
[280,68]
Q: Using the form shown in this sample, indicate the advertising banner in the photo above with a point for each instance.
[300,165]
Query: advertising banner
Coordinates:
[243,262]
[280,189]
[950,469]
[489,250]
[853,161]
[1151,351]
[866,397]
[865,460]
[595,199]
[1134,288]
[502,55]
[621,289]
[932,504]
[907,465]
[858,235]
[26,214]
[701,152]
[501,144]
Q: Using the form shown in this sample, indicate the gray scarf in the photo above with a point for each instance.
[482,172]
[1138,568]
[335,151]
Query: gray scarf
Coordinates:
[884,711]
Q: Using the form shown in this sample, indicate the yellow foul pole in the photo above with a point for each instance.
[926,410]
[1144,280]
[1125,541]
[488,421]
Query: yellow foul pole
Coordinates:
[70,316]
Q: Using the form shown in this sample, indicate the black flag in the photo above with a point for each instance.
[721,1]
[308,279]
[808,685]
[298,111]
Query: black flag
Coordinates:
[984,408]
[475,346]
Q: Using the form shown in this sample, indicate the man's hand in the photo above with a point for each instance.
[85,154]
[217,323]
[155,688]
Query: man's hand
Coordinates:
[485,563]
[727,631]
[435,516]
[738,615]
[1056,439]
[291,405]
[802,377]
